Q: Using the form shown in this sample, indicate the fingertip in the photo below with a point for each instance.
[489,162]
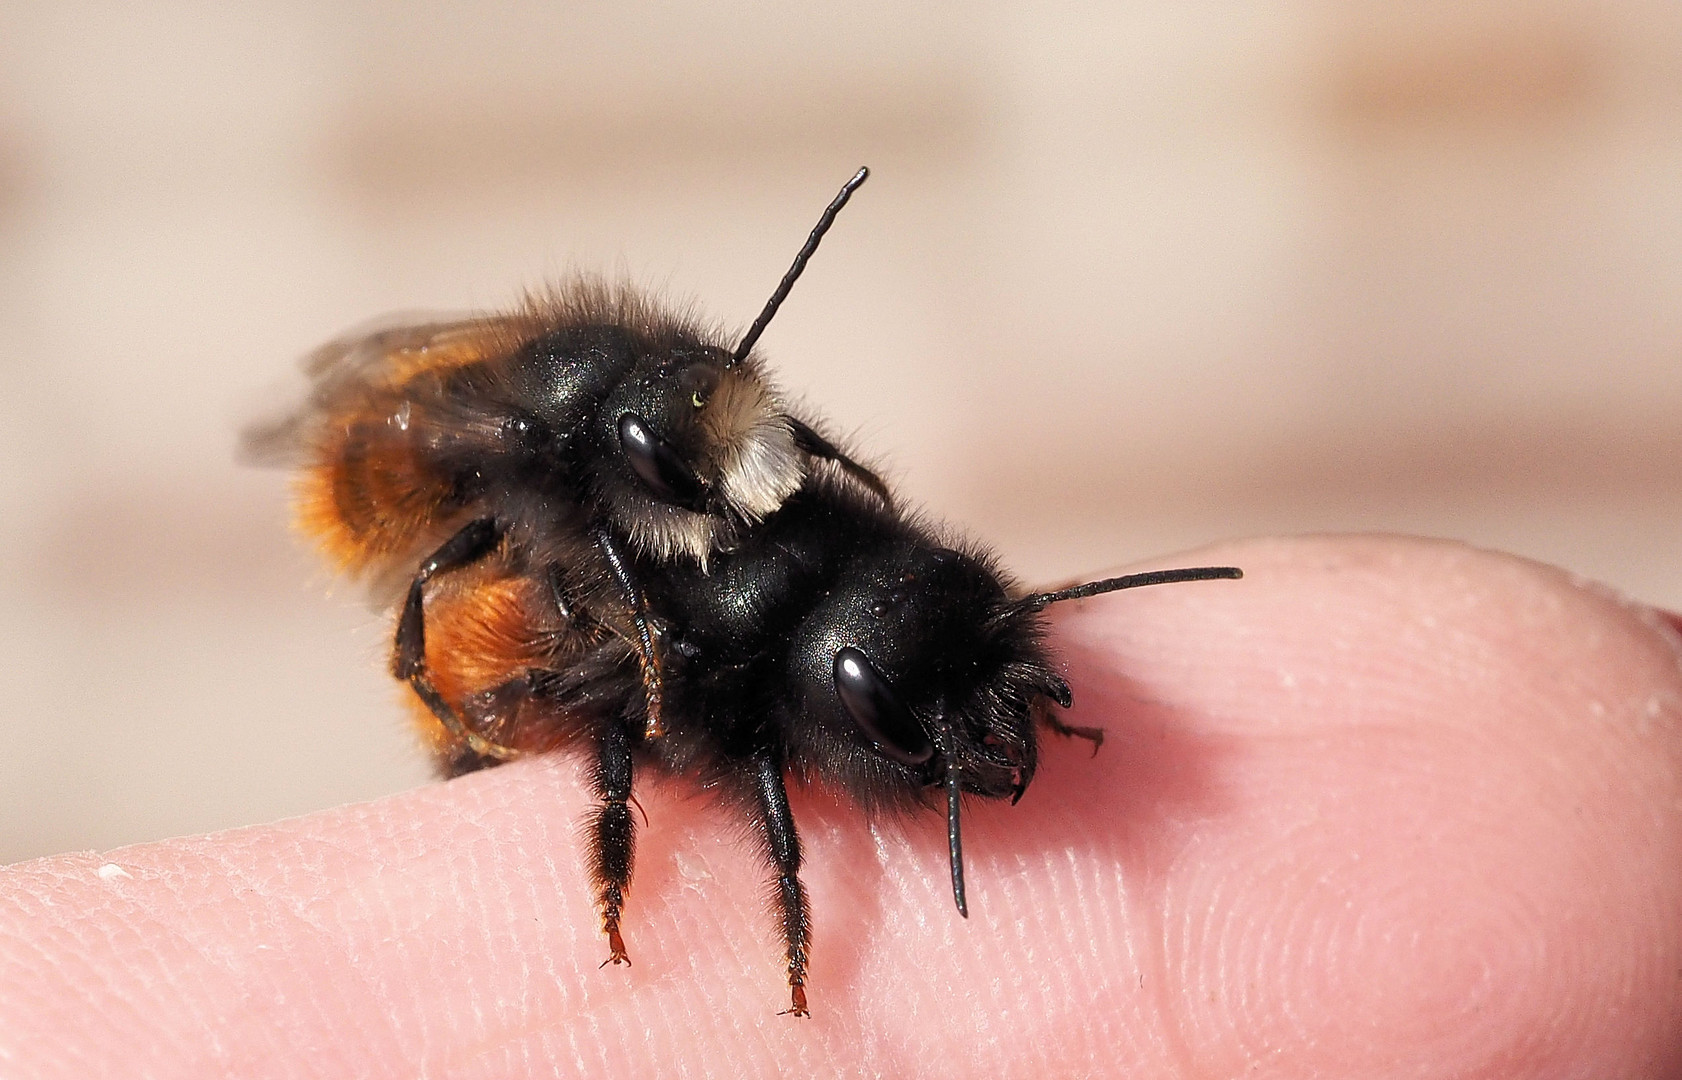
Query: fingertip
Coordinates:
[1384,740]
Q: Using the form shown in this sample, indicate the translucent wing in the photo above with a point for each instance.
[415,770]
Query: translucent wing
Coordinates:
[374,489]
[382,354]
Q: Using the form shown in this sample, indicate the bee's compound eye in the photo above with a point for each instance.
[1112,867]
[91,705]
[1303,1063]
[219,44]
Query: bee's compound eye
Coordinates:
[870,700]
[658,466]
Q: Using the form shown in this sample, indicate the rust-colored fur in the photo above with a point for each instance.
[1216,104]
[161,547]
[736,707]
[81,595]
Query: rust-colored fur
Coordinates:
[368,499]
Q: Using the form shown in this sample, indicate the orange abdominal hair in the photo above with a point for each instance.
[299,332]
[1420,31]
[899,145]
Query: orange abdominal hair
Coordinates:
[487,629]
[367,499]
[365,493]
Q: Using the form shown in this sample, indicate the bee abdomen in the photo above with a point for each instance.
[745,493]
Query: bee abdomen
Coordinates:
[371,496]
[493,635]
[485,630]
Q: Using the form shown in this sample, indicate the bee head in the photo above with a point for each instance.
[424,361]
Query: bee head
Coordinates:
[933,673]
[922,675]
[704,448]
[705,437]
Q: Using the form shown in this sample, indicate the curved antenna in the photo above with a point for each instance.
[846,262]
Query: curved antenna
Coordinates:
[1038,601]
[794,271]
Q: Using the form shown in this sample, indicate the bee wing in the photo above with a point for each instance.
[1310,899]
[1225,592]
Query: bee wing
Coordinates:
[375,347]
[378,355]
[365,490]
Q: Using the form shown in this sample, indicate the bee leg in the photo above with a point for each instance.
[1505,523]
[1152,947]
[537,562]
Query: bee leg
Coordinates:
[612,833]
[1094,735]
[782,848]
[653,687]
[475,540]
[572,613]
[491,714]
[815,445]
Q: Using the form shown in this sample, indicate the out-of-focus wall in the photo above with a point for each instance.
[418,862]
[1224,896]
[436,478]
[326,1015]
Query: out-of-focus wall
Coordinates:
[1124,282]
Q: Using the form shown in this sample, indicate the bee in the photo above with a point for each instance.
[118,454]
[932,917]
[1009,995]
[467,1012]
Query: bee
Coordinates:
[588,413]
[619,542]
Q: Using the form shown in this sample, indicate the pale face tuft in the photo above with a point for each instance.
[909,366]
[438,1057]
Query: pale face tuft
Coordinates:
[751,461]
[756,461]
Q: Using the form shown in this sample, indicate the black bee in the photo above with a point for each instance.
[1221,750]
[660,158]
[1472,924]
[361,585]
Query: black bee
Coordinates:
[616,544]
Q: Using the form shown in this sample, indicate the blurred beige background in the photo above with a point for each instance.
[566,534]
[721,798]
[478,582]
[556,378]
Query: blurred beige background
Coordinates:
[1124,281]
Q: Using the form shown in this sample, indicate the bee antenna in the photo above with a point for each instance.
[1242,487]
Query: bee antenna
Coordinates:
[954,831]
[794,271]
[1038,601]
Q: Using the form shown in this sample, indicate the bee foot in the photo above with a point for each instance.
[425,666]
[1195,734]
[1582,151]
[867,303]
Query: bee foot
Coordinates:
[486,748]
[797,1004]
[1093,735]
[615,950]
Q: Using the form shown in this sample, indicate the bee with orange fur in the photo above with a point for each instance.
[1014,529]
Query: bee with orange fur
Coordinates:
[587,424]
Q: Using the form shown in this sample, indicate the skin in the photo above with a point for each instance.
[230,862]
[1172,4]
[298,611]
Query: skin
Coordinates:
[1384,808]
